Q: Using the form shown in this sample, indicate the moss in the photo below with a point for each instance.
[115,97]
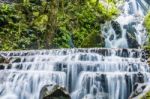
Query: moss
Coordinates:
[93,40]
[146,96]
[147,26]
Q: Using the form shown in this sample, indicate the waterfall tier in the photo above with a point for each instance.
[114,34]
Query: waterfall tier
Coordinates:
[97,73]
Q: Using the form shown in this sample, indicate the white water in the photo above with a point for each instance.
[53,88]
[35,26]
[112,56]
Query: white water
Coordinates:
[130,21]
[85,73]
[93,73]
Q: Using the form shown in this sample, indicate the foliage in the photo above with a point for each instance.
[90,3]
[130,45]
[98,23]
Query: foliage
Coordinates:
[147,26]
[78,22]
[146,96]
[36,24]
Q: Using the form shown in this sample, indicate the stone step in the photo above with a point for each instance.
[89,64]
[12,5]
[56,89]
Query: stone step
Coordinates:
[101,51]
[79,66]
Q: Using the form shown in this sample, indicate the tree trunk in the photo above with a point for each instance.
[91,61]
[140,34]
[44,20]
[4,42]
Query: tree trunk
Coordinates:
[52,23]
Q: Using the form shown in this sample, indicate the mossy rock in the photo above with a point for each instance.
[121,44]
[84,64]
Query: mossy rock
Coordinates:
[148,61]
[54,92]
[4,60]
[93,40]
[146,96]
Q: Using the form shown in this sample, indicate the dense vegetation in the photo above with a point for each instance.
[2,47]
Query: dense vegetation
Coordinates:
[147,25]
[37,24]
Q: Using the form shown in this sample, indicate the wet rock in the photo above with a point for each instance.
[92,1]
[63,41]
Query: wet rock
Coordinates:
[131,39]
[125,53]
[111,37]
[140,78]
[2,67]
[140,92]
[117,28]
[54,92]
[16,60]
[146,53]
[130,27]
[4,60]
[9,66]
[148,61]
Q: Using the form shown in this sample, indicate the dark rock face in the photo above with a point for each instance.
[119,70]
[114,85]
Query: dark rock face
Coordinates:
[117,28]
[54,92]
[131,39]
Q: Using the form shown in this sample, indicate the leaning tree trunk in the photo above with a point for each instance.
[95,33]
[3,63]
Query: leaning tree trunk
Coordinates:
[52,22]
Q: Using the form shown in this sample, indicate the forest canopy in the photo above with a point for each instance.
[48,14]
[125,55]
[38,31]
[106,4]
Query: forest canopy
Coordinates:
[44,24]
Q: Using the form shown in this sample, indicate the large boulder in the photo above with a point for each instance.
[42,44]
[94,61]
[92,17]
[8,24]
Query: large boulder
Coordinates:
[117,28]
[142,90]
[54,92]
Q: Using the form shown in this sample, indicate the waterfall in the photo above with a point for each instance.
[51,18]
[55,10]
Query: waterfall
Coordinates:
[127,30]
[93,73]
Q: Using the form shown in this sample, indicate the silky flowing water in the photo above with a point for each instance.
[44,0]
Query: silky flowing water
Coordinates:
[93,73]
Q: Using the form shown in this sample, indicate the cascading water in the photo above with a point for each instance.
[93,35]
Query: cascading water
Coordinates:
[127,31]
[96,73]
[93,73]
